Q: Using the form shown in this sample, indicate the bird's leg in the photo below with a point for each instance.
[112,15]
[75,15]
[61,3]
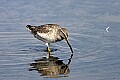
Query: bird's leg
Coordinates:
[48,54]
[48,49]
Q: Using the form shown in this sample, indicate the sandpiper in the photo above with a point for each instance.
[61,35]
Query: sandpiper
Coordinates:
[49,33]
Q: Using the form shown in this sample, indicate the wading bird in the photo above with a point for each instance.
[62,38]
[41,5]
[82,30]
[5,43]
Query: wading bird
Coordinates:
[49,33]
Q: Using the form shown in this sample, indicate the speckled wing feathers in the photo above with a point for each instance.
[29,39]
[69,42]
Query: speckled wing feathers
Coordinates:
[46,28]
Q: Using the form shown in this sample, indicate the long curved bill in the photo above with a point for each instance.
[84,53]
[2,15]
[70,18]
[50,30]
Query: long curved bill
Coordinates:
[66,38]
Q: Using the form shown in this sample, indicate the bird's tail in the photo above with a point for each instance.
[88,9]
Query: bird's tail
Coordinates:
[32,29]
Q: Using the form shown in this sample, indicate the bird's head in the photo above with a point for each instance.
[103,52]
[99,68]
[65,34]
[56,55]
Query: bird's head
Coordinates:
[65,31]
[64,35]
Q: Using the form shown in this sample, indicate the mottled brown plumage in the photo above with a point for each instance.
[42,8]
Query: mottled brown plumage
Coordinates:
[49,33]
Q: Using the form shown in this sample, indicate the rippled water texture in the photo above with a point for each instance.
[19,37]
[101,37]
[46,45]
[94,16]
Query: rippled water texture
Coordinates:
[96,51]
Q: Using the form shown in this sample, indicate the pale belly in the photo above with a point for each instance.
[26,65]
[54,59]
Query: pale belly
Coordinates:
[48,38]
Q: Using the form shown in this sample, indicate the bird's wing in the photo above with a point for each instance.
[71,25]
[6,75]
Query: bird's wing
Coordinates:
[43,29]
[47,28]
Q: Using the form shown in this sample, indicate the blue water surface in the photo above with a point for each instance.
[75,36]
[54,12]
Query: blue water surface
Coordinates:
[96,51]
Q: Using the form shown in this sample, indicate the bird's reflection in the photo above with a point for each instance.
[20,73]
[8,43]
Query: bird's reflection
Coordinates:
[51,67]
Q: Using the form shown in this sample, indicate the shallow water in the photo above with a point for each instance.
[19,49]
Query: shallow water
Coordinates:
[96,51]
